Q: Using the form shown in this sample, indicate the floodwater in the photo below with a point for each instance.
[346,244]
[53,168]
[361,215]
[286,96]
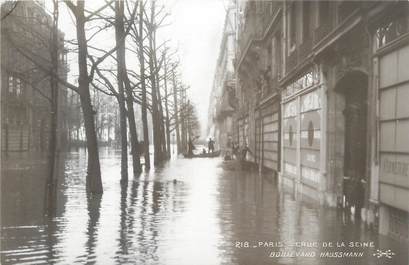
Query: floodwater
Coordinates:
[188,212]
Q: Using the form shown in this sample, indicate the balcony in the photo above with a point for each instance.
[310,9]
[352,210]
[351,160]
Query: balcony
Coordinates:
[258,17]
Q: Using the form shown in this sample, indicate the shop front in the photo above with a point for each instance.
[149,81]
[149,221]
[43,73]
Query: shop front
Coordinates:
[267,134]
[392,75]
[301,133]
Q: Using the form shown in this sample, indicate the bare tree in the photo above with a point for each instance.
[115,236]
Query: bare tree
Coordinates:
[167,121]
[154,21]
[123,81]
[119,27]
[176,111]
[94,183]
[139,37]
[53,154]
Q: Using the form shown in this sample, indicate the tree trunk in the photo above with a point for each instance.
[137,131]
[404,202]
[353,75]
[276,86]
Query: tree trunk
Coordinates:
[155,118]
[53,156]
[123,78]
[155,111]
[183,121]
[131,114]
[160,107]
[123,133]
[167,110]
[161,125]
[93,181]
[143,86]
[176,111]
[122,110]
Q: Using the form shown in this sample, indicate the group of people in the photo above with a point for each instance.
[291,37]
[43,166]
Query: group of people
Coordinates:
[210,146]
[236,151]
[240,152]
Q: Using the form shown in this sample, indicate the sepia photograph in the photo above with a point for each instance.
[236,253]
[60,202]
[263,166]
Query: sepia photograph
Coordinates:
[204,132]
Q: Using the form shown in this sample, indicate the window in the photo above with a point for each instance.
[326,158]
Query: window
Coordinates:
[11,84]
[293,25]
[273,57]
[30,13]
[291,135]
[276,55]
[306,20]
[18,87]
[259,7]
[323,13]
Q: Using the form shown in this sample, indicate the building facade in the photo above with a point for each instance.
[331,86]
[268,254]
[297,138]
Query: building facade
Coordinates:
[223,99]
[26,92]
[321,87]
[258,69]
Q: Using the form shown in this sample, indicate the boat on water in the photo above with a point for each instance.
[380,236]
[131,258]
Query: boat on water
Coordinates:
[203,155]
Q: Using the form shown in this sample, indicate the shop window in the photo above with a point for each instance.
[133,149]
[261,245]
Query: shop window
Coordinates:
[291,135]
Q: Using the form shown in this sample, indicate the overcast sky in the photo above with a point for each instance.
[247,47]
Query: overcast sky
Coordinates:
[197,27]
[195,30]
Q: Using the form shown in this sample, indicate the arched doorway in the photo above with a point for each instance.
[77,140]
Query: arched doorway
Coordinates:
[353,86]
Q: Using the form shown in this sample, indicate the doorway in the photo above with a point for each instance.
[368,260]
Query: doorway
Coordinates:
[354,87]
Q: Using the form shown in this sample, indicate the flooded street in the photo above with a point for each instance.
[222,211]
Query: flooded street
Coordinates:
[190,211]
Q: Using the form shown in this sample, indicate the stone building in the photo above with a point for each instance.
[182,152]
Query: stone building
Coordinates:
[222,98]
[259,68]
[25,93]
[332,78]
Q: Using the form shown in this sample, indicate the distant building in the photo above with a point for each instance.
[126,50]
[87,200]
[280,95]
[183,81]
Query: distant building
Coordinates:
[25,93]
[222,98]
[323,89]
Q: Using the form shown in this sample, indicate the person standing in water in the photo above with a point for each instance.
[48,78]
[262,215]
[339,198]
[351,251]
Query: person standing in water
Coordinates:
[210,145]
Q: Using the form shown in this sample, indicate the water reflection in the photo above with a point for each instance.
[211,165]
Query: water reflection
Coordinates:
[186,212]
[93,206]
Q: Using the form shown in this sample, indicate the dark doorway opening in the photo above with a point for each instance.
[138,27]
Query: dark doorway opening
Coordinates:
[354,87]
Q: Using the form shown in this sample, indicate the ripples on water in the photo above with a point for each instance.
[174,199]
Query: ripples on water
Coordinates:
[187,212]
